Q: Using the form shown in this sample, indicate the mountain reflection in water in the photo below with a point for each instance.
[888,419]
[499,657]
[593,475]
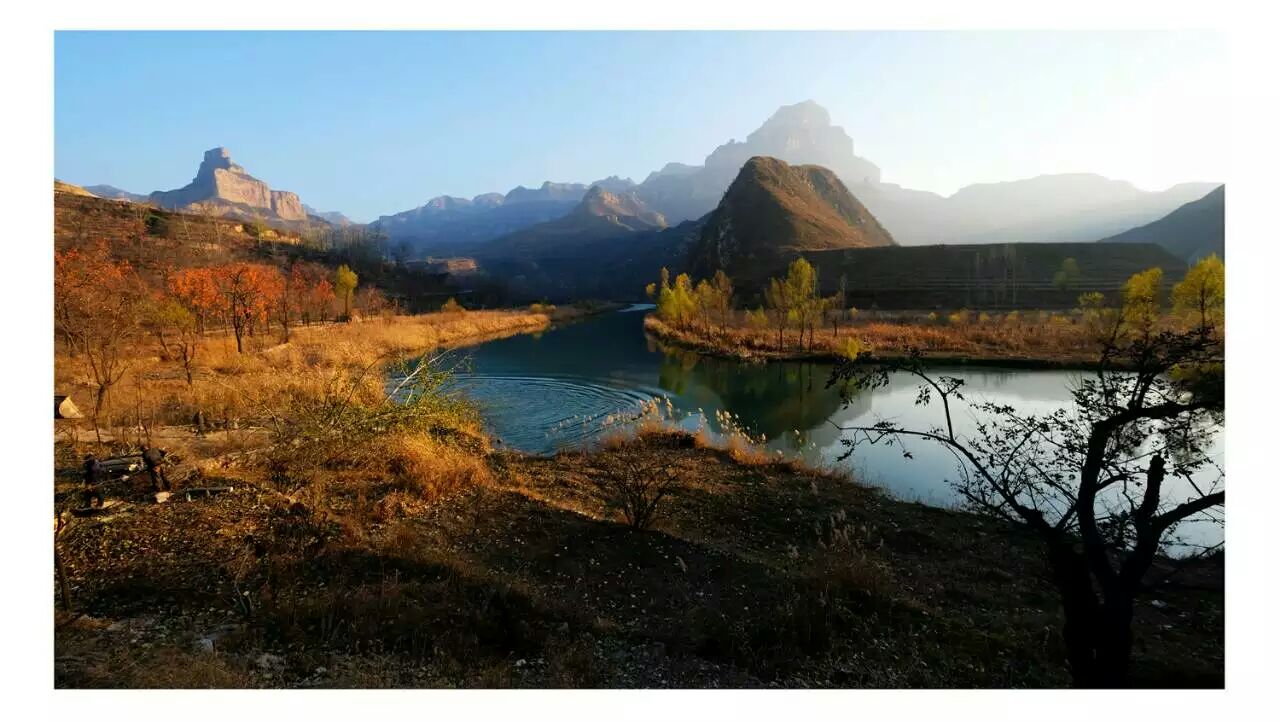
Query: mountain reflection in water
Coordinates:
[553,390]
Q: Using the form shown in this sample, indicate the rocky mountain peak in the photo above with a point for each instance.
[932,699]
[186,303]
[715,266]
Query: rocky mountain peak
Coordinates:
[217,159]
[618,206]
[805,114]
[223,185]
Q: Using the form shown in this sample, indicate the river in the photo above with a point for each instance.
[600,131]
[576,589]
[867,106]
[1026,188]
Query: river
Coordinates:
[557,389]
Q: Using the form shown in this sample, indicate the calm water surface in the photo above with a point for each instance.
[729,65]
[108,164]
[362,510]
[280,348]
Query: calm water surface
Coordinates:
[554,390]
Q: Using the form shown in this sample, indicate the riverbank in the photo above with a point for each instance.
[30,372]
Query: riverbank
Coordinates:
[520,574]
[1057,342]
[231,389]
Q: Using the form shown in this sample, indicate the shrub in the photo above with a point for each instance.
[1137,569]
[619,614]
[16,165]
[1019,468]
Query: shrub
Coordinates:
[452,307]
[431,467]
[635,485]
[850,347]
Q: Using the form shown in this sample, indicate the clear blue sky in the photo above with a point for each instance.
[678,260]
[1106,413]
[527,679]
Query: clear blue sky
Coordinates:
[374,123]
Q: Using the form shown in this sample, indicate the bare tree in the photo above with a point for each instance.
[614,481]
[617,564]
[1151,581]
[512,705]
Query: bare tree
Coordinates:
[1088,480]
[635,485]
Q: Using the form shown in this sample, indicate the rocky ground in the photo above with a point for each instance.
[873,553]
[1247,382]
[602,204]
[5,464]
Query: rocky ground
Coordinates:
[753,574]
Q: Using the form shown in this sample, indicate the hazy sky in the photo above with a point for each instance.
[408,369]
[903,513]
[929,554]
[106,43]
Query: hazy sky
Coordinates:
[375,123]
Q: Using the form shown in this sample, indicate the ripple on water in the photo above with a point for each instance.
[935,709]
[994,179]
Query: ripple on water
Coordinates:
[517,411]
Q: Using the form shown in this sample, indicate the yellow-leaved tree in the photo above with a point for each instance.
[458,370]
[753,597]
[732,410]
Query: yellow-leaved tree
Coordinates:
[344,284]
[1202,293]
[1142,300]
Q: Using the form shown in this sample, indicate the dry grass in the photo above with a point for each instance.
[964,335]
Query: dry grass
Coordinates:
[234,389]
[1030,337]
[753,575]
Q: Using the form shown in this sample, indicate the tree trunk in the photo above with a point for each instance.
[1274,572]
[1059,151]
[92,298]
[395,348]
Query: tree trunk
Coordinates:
[1115,641]
[64,584]
[1098,636]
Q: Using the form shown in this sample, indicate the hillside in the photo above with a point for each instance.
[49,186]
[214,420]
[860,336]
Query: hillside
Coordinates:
[110,191]
[156,242]
[599,218]
[615,270]
[995,275]
[1192,231]
[60,187]
[772,211]
[608,247]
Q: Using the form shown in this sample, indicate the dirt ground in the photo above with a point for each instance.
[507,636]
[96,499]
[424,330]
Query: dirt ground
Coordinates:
[752,575]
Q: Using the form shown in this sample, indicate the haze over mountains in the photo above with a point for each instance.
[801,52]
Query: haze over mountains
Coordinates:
[601,215]
[1190,232]
[1048,208]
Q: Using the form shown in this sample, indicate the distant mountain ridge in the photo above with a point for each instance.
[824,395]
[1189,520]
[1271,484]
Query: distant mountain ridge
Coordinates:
[772,211]
[1066,207]
[1192,231]
[600,216]
[334,217]
[452,224]
[107,191]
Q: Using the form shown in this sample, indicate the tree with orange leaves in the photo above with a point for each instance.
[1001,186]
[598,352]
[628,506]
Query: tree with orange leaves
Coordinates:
[249,291]
[98,304]
[197,290]
[292,300]
[321,299]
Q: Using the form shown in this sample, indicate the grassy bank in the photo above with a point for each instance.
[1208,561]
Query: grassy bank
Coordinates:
[416,568]
[1034,340]
[235,390]
[362,540]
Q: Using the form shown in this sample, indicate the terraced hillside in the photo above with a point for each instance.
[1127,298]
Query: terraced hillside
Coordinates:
[994,275]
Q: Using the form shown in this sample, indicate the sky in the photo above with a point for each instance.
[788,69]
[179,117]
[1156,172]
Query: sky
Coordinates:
[373,123]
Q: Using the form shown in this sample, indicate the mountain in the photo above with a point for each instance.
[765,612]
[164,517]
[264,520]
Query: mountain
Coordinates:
[106,191]
[1049,208]
[599,217]
[334,217]
[448,224]
[1193,230]
[1066,207]
[774,210]
[798,134]
[228,189]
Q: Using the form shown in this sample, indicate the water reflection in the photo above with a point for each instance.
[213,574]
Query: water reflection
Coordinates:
[554,390]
